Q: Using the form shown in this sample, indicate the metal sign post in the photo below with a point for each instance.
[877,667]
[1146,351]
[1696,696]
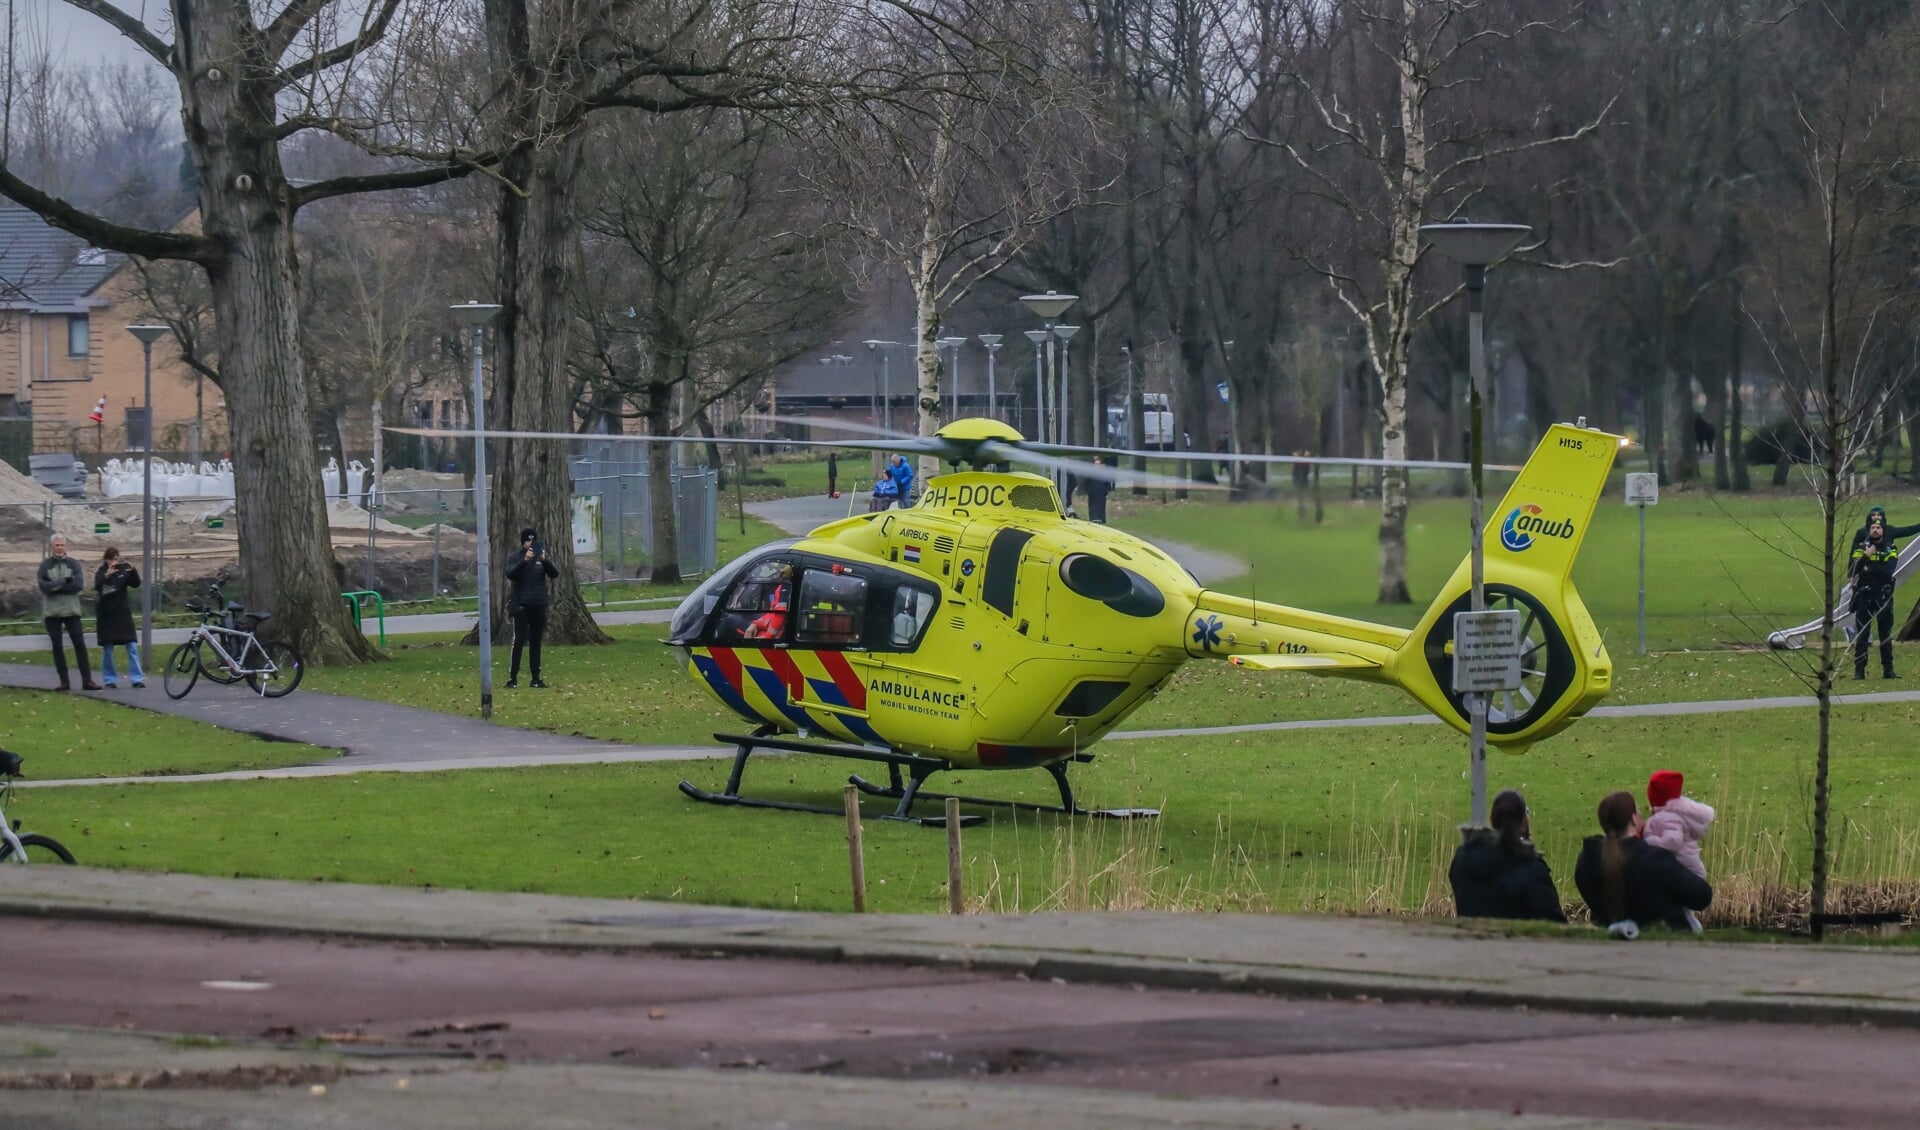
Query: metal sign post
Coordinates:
[1486,658]
[1643,490]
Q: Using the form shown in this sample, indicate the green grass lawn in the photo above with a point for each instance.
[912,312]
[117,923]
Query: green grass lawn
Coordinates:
[1721,569]
[65,736]
[1322,820]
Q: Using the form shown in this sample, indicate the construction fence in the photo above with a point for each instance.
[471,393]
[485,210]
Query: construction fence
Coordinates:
[406,545]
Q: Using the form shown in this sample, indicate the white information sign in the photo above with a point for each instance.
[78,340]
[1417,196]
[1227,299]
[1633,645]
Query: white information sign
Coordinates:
[586,524]
[1486,651]
[1643,489]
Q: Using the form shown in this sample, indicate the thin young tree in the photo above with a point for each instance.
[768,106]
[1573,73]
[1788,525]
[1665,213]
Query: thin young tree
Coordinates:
[1836,267]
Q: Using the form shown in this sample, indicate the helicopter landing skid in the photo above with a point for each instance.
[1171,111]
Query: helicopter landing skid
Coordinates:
[1058,769]
[918,769]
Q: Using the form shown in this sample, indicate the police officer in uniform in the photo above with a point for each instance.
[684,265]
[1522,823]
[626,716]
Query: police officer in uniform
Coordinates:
[1872,568]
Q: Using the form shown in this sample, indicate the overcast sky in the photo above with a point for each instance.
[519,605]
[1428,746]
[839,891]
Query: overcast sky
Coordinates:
[76,36]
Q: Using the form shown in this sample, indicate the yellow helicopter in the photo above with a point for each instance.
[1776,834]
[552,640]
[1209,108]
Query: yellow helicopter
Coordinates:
[983,628]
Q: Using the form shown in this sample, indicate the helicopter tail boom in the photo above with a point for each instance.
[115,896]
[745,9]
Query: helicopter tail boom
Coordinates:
[1530,542]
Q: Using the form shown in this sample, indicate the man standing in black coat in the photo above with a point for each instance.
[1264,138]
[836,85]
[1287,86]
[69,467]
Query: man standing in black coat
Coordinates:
[1097,489]
[529,571]
[1872,568]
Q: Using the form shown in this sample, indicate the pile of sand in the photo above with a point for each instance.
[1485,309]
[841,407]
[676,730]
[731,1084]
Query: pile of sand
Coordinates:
[344,515]
[18,488]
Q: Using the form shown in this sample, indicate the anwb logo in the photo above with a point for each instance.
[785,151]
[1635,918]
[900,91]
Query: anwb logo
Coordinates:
[1524,522]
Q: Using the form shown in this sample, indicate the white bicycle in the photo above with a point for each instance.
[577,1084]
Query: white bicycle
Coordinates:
[223,647]
[16,845]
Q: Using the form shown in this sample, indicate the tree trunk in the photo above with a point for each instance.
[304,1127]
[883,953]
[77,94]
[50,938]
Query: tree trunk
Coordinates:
[287,564]
[532,483]
[665,557]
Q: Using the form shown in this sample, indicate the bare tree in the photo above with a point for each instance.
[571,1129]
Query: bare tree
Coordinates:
[1837,266]
[949,183]
[1386,165]
[708,264]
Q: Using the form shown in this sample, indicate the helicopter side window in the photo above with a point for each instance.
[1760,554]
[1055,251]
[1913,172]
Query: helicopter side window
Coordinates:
[832,609]
[759,606]
[911,610]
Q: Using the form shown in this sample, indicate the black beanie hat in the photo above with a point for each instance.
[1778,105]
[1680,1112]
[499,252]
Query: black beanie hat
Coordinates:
[529,534]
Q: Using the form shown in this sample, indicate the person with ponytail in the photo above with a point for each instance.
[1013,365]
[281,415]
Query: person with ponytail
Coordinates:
[1496,872]
[1627,882]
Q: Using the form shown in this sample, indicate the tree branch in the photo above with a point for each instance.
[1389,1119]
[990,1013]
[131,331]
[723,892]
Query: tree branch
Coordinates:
[129,26]
[453,168]
[370,34]
[104,233]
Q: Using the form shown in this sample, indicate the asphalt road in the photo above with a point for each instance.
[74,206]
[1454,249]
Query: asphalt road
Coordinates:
[920,1026]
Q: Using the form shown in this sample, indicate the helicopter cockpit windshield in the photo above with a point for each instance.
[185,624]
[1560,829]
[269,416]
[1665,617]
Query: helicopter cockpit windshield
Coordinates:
[691,617]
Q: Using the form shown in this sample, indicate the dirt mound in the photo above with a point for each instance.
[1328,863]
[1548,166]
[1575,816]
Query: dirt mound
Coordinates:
[16,487]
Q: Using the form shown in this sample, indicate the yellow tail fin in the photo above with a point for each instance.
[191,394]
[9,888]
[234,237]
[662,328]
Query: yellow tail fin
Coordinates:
[1531,539]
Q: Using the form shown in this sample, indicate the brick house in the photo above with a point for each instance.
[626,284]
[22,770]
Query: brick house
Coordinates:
[64,309]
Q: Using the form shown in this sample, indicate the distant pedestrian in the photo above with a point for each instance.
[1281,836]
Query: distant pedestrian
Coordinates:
[1874,564]
[61,583]
[1628,883]
[113,617]
[529,571]
[1496,873]
[833,475]
[1097,487]
[901,472]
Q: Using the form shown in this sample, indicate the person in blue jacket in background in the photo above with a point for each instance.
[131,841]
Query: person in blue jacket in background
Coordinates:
[901,472]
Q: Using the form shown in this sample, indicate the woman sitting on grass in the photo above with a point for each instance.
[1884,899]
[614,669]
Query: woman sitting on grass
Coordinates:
[1628,882]
[1498,874]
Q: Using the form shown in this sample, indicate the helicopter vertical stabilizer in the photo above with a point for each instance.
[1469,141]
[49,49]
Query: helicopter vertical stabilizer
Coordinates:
[1530,541]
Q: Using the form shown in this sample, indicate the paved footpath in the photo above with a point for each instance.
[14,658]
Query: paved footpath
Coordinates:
[1376,958]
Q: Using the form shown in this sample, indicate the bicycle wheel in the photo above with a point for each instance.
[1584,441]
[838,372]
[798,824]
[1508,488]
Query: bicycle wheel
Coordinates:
[30,841]
[286,672]
[183,667]
[217,671]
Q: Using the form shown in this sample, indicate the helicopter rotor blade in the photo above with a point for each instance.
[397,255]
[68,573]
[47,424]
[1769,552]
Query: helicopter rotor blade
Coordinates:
[1002,451]
[1249,457]
[908,443]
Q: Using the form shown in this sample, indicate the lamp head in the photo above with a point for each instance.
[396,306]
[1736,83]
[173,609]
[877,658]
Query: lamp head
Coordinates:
[148,334]
[1065,333]
[1050,305]
[991,341]
[1036,336]
[475,313]
[1471,244]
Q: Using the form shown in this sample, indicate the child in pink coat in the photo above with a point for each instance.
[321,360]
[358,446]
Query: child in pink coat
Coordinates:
[1676,822]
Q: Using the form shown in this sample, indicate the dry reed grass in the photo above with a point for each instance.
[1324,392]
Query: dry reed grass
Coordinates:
[1399,867]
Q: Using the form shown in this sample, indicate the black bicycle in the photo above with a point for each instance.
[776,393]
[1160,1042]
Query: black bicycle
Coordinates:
[16,845]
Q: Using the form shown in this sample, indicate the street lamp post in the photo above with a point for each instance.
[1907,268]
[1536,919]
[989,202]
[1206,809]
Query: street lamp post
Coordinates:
[1233,412]
[1475,247]
[992,342]
[953,344]
[147,335]
[1047,307]
[1039,430]
[875,345]
[1065,334]
[477,315]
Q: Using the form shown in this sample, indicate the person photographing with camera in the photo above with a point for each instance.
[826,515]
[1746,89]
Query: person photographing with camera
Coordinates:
[528,571]
[113,617]
[1872,568]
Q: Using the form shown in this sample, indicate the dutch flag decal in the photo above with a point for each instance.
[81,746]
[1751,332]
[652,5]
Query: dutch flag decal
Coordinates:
[912,554]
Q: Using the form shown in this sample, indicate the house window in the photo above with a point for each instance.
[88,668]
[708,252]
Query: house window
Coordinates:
[79,335]
[139,430]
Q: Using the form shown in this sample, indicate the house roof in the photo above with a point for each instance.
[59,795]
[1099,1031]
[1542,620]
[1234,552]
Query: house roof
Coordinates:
[43,268]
